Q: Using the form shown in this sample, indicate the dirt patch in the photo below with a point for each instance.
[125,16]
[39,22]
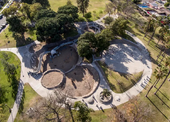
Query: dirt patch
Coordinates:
[80,81]
[89,29]
[36,47]
[52,79]
[66,59]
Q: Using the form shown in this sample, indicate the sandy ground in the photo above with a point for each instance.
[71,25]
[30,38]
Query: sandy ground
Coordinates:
[52,79]
[89,30]
[124,58]
[65,61]
[80,81]
[36,47]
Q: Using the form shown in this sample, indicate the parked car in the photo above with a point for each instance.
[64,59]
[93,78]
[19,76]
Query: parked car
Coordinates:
[1,16]
[3,26]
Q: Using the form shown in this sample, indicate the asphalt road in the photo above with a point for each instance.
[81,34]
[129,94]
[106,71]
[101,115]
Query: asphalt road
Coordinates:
[3,20]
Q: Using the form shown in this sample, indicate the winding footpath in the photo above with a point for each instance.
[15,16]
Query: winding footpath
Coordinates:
[118,98]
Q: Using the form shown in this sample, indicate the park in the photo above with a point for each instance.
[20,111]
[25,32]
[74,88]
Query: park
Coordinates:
[100,60]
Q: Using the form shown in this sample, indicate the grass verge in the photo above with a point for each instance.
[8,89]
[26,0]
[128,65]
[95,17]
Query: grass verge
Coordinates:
[7,97]
[30,98]
[120,82]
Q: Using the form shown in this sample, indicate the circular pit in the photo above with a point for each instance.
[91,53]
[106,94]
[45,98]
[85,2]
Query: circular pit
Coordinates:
[52,78]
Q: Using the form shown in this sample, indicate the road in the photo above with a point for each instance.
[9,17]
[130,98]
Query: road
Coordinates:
[3,20]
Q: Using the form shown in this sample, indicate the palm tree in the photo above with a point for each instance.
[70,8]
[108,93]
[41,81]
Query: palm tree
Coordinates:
[159,73]
[106,93]
[148,26]
[162,31]
[167,64]
[166,43]
[156,25]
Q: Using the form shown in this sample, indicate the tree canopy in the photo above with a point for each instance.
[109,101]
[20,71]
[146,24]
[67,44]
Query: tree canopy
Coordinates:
[118,27]
[89,43]
[44,3]
[50,29]
[82,6]
[70,10]
[15,24]
[44,13]
[82,113]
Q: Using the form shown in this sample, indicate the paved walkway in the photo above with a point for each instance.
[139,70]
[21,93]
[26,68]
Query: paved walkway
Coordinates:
[24,55]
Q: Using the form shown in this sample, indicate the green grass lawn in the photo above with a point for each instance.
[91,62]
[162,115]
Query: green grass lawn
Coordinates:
[96,7]
[8,98]
[120,82]
[7,40]
[30,98]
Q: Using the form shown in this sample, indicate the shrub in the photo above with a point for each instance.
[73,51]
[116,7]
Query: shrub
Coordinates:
[166,4]
[101,12]
[81,19]
[108,20]
[88,15]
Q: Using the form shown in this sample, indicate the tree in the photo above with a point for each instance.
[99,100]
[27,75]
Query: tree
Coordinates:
[167,64]
[162,31]
[69,2]
[137,111]
[108,20]
[34,9]
[149,27]
[166,4]
[82,112]
[155,26]
[106,93]
[82,6]
[108,34]
[70,10]
[85,44]
[118,27]
[102,43]
[159,73]
[10,11]
[44,13]
[25,9]
[44,3]
[15,25]
[53,108]
[89,43]
[49,29]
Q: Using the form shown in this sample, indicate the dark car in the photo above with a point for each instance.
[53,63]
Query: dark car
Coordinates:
[1,16]
[3,26]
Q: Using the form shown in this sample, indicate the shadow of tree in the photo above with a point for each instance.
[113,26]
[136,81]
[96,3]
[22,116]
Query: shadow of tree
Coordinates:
[14,84]
[77,74]
[3,98]
[21,107]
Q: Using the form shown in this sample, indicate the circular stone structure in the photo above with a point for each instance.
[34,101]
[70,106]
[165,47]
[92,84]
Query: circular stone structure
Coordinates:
[95,28]
[81,82]
[66,58]
[52,78]
[104,99]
